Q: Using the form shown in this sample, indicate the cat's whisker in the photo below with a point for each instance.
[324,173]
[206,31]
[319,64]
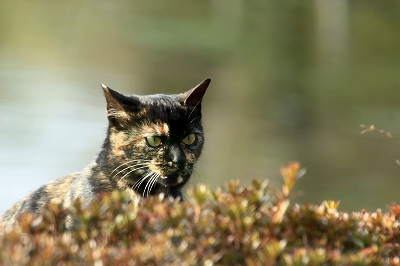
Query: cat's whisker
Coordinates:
[191,112]
[132,171]
[150,184]
[155,180]
[194,119]
[194,108]
[137,183]
[141,166]
[199,168]
[131,161]
[147,184]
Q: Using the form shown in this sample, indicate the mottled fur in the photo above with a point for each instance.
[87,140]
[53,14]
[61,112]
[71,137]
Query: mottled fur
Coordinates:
[127,161]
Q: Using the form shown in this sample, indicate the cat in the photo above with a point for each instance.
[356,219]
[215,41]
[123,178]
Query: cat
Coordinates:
[151,147]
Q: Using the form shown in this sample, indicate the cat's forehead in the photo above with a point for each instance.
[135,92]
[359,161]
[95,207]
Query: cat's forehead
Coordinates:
[156,129]
[163,114]
[161,99]
[163,107]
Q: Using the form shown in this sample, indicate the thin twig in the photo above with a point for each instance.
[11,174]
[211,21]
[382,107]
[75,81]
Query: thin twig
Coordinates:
[381,131]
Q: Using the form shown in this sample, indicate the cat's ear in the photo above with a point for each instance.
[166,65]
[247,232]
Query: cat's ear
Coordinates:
[194,97]
[115,106]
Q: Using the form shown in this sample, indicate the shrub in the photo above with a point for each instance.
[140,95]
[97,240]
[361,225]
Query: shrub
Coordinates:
[232,225]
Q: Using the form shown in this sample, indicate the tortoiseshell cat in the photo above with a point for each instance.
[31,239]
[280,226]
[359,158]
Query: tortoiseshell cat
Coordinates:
[151,147]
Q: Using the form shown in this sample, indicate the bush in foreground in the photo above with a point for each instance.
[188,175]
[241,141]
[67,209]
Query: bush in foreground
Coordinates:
[232,225]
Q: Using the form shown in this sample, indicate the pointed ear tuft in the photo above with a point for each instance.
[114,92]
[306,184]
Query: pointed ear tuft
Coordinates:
[115,110]
[195,95]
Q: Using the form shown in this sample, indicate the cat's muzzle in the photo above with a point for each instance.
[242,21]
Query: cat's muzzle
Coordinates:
[171,180]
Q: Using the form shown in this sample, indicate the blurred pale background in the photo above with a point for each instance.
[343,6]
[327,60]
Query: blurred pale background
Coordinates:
[291,80]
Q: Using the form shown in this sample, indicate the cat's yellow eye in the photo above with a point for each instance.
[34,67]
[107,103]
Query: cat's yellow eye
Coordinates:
[189,139]
[154,141]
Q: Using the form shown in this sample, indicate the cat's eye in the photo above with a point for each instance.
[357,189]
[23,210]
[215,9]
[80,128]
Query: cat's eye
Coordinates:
[189,139]
[154,141]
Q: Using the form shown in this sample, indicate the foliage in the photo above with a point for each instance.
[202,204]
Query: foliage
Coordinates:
[232,225]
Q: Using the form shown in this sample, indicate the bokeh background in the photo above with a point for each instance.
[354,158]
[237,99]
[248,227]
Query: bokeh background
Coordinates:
[291,81]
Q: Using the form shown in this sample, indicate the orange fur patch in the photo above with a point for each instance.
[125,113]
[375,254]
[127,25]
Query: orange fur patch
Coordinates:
[118,142]
[156,130]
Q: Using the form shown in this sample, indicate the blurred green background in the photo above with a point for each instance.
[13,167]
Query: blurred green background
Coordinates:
[291,81]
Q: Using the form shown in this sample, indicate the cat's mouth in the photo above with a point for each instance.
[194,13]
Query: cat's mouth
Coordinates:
[171,180]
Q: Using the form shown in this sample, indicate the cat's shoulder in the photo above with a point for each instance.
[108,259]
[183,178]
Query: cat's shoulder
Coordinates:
[33,202]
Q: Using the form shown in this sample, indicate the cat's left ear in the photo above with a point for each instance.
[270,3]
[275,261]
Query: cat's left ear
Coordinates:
[194,97]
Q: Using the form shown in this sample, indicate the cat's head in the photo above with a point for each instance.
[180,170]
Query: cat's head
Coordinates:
[153,141]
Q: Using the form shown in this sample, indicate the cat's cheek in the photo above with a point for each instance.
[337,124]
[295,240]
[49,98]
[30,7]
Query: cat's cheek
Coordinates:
[153,167]
[191,154]
[118,143]
[190,157]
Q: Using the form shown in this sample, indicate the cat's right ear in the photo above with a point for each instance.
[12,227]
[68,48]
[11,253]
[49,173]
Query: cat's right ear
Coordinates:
[115,109]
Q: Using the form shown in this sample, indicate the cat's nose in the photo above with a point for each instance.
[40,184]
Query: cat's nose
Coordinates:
[175,156]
